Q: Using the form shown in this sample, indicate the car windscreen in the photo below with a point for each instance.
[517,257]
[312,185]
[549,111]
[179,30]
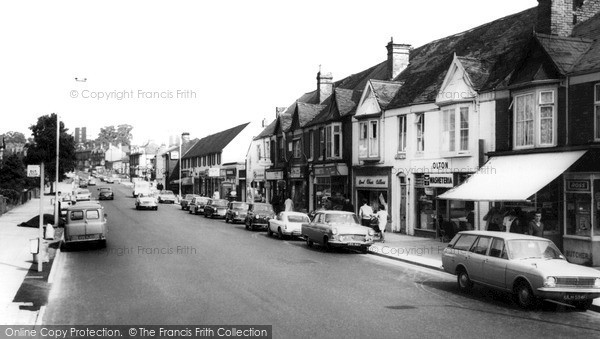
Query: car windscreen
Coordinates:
[533,249]
[263,208]
[239,206]
[220,203]
[167,192]
[298,218]
[341,218]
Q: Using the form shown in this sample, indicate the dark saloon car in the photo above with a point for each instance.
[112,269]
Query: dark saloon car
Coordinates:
[259,215]
[106,193]
[236,211]
[185,202]
[196,205]
[215,208]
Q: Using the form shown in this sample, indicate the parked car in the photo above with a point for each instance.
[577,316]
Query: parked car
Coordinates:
[146,201]
[531,268]
[166,196]
[236,211]
[287,224]
[258,215]
[83,194]
[185,202]
[83,183]
[106,193]
[110,180]
[92,182]
[197,205]
[215,208]
[337,229]
[85,222]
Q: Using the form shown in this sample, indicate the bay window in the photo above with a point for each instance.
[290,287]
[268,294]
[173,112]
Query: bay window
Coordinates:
[368,139]
[321,142]
[535,119]
[311,144]
[455,128]
[296,148]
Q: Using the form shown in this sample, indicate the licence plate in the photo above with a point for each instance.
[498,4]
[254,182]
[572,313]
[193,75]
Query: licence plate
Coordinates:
[575,297]
[88,236]
[353,244]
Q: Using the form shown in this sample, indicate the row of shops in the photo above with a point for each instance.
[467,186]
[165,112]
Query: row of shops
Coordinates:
[225,182]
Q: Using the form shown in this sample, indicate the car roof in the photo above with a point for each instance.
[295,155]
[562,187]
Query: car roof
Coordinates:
[503,235]
[214,200]
[84,206]
[294,213]
[335,212]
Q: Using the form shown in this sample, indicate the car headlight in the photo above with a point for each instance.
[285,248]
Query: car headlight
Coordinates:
[235,213]
[256,216]
[371,232]
[334,231]
[597,283]
[550,282]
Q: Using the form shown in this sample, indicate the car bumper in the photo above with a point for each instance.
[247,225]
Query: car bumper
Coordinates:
[294,233]
[84,238]
[105,197]
[568,294]
[238,218]
[141,206]
[169,201]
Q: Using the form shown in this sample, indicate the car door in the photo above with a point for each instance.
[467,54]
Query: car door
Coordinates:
[93,221]
[494,266]
[310,229]
[477,256]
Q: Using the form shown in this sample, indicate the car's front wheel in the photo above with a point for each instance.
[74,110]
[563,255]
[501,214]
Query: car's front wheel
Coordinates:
[269,232]
[280,234]
[464,282]
[523,295]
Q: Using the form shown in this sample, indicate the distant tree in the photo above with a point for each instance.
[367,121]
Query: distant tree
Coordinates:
[111,135]
[13,138]
[13,174]
[43,148]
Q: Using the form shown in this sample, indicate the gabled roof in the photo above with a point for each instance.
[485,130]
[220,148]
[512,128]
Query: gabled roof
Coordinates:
[343,103]
[564,51]
[268,131]
[500,44]
[214,143]
[385,91]
[477,70]
[305,113]
[590,61]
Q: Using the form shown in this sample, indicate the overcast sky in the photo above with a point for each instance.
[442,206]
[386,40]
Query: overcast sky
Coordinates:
[231,61]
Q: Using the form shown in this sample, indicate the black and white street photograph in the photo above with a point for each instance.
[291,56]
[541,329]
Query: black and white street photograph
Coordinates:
[300,169]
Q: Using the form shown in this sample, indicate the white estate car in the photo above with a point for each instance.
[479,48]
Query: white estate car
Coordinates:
[83,194]
[287,224]
[146,201]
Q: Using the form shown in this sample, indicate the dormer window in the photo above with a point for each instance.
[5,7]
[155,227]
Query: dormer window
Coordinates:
[455,129]
[420,127]
[535,119]
[368,141]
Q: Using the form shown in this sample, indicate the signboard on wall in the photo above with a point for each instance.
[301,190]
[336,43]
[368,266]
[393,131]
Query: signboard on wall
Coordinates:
[431,165]
[438,180]
[214,172]
[274,175]
[296,172]
[578,185]
[372,181]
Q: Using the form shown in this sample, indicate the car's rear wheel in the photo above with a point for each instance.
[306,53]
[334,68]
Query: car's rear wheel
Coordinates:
[309,242]
[280,234]
[583,305]
[464,282]
[523,295]
[226,220]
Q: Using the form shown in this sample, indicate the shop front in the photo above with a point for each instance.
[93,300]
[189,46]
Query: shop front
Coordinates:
[275,187]
[298,188]
[330,186]
[229,183]
[256,188]
[213,183]
[373,185]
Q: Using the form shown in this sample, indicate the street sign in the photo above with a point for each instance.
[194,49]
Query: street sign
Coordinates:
[33,171]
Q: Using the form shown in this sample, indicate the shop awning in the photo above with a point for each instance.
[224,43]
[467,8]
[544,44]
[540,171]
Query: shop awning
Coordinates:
[513,177]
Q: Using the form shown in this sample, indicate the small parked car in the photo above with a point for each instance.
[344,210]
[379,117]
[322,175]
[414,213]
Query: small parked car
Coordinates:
[83,194]
[110,180]
[92,182]
[337,229]
[85,222]
[83,183]
[287,224]
[197,205]
[531,268]
[215,208]
[106,193]
[236,211]
[258,215]
[146,201]
[166,196]
[185,202]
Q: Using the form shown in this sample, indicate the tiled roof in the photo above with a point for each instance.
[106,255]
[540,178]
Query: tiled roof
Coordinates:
[385,91]
[307,112]
[500,44]
[188,145]
[589,29]
[342,104]
[214,143]
[590,61]
[268,131]
[477,70]
[564,52]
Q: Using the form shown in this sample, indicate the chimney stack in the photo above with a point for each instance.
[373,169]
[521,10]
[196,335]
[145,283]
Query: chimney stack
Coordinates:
[558,17]
[398,58]
[185,138]
[324,85]
[278,111]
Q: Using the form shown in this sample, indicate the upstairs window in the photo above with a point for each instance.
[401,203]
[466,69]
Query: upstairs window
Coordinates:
[597,110]
[321,142]
[281,148]
[334,140]
[535,119]
[368,141]
[449,130]
[311,144]
[420,127]
[296,147]
[464,128]
[402,134]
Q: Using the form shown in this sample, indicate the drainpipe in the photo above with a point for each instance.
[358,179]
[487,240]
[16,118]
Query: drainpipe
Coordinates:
[567,113]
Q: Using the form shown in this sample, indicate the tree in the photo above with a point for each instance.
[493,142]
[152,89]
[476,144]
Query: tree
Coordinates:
[13,173]
[109,135]
[43,148]
[13,138]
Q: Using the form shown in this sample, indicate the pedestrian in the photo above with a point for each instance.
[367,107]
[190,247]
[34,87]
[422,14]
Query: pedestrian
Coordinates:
[382,218]
[536,227]
[289,204]
[365,212]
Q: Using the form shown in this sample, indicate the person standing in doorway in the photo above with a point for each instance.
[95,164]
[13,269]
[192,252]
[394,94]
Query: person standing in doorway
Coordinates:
[536,227]
[382,218]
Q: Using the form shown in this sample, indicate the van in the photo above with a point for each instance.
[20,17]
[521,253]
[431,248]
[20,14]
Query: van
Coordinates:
[85,222]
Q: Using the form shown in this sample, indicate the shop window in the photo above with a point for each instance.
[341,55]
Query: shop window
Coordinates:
[368,141]
[420,126]
[535,119]
[579,219]
[402,134]
[597,110]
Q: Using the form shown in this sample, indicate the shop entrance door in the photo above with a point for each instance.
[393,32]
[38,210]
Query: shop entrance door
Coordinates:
[402,209]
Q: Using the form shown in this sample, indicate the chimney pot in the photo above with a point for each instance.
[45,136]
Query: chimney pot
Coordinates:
[398,58]
[324,85]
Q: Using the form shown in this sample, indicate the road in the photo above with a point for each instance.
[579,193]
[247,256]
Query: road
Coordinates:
[170,267]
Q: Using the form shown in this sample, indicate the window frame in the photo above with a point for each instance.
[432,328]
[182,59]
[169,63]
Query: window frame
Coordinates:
[537,107]
[297,148]
[597,112]
[330,145]
[402,134]
[369,140]
[311,144]
[420,132]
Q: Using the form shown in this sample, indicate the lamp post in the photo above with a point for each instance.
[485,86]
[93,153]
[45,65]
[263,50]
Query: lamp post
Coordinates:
[56,204]
[180,164]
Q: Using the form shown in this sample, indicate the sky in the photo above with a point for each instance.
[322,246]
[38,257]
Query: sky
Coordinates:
[167,67]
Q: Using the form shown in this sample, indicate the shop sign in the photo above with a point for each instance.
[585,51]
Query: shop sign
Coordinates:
[228,172]
[438,180]
[296,172]
[372,182]
[275,175]
[578,185]
[325,171]
[214,172]
[258,175]
[432,165]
